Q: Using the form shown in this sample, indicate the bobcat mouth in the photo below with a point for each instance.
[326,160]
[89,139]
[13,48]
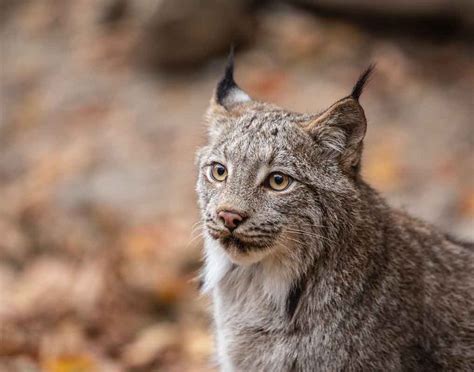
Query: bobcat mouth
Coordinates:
[230,242]
[235,241]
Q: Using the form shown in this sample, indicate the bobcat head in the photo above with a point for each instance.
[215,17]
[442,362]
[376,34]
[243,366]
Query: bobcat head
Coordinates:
[272,181]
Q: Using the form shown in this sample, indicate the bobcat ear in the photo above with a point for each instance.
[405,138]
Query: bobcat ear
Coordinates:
[340,129]
[228,92]
[226,96]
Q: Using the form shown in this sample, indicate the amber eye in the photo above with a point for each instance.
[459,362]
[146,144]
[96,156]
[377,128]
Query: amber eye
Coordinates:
[278,181]
[218,172]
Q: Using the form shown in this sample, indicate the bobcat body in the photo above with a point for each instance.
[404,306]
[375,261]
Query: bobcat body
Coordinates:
[321,275]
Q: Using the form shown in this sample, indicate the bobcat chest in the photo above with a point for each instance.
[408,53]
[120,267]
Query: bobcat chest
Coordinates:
[251,333]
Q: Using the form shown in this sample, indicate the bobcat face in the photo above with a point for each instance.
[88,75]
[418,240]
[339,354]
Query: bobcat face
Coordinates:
[266,171]
[254,186]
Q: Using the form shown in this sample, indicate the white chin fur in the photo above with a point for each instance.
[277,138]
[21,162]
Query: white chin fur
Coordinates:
[273,276]
[218,261]
[217,264]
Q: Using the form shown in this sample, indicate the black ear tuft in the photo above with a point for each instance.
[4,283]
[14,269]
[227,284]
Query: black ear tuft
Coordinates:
[228,93]
[227,83]
[363,79]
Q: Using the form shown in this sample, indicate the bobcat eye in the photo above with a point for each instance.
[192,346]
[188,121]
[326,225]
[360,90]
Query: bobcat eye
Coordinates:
[218,172]
[278,181]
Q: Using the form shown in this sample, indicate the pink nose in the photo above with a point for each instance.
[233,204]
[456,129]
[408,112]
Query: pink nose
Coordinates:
[231,219]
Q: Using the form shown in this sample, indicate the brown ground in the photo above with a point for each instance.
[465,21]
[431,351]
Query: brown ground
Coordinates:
[97,204]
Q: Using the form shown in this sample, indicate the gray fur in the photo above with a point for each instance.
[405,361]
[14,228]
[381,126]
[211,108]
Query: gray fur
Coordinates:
[332,279]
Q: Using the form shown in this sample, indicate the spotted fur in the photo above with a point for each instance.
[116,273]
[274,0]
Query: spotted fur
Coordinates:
[329,277]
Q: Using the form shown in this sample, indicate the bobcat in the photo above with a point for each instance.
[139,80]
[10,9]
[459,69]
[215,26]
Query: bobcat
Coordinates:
[308,267]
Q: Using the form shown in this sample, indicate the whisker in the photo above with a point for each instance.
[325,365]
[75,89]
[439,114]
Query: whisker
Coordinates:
[309,225]
[193,239]
[295,240]
[310,234]
[195,231]
[196,224]
[196,227]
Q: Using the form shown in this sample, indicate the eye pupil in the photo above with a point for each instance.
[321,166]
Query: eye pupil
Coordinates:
[278,179]
[220,170]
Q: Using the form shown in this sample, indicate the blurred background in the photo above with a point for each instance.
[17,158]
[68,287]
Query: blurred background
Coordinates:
[101,114]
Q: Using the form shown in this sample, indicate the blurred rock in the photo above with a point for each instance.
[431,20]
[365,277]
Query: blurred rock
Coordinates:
[6,6]
[183,33]
[401,7]
[445,11]
[113,11]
